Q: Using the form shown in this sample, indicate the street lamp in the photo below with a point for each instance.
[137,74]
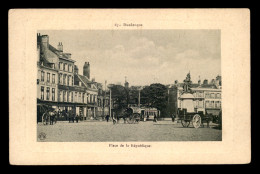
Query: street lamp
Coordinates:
[110,99]
[110,94]
[139,96]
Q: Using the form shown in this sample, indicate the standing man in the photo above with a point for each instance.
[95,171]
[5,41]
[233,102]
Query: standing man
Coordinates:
[73,116]
[155,118]
[51,118]
[77,118]
[173,118]
[107,117]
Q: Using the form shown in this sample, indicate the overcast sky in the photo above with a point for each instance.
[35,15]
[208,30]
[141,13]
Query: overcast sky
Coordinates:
[144,56]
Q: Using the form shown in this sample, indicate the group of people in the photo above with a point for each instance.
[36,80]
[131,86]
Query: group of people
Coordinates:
[72,118]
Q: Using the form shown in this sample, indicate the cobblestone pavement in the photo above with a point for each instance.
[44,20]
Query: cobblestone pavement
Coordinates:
[100,131]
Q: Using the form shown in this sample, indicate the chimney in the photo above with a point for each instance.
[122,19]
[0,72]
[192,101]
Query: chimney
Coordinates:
[38,38]
[44,42]
[205,82]
[86,70]
[60,47]
[199,82]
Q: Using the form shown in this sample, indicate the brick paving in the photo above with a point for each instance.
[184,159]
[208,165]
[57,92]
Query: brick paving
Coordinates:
[100,131]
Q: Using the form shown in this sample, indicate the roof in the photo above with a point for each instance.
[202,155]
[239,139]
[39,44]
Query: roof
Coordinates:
[59,54]
[53,49]
[86,82]
[84,79]
[45,62]
[196,85]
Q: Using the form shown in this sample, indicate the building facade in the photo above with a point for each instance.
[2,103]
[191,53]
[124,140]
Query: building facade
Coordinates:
[207,97]
[47,81]
[60,86]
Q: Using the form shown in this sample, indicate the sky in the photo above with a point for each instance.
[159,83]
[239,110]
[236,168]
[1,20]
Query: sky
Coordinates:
[143,56]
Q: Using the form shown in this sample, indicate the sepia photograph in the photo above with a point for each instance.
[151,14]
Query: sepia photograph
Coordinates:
[129,85]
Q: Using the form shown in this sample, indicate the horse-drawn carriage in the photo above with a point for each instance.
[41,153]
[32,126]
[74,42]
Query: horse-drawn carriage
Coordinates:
[46,114]
[197,118]
[130,114]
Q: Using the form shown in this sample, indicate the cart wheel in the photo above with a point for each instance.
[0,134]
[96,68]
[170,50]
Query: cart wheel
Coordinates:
[185,123]
[131,119]
[136,118]
[114,121]
[196,121]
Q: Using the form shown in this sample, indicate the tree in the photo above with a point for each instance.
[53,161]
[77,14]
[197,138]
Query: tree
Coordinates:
[119,96]
[155,96]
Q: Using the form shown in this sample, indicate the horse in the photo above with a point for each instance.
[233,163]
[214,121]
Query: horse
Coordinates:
[45,118]
[53,115]
[49,116]
[127,114]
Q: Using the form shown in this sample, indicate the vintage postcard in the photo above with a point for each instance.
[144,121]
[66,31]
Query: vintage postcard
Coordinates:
[129,86]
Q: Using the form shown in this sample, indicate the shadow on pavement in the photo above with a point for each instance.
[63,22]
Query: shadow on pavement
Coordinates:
[217,127]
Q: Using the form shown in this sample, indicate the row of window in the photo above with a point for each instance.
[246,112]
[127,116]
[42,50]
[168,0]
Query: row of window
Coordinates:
[199,104]
[48,77]
[213,104]
[48,93]
[207,95]
[65,67]
[67,96]
[100,102]
[198,94]
[66,79]
[212,95]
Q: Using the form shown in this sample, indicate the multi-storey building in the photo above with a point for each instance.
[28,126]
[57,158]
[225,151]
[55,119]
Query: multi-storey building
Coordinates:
[60,85]
[47,81]
[59,70]
[102,102]
[90,94]
[207,97]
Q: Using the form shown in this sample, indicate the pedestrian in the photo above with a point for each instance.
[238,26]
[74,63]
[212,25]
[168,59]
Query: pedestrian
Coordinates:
[51,118]
[107,117]
[77,118]
[73,117]
[173,118]
[69,115]
[155,118]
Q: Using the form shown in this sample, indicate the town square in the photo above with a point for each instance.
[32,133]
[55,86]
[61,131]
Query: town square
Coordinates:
[102,131]
[148,88]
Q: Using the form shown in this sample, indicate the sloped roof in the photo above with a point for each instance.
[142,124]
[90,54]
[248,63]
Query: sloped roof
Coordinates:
[196,85]
[57,52]
[45,62]
[84,79]
[86,82]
